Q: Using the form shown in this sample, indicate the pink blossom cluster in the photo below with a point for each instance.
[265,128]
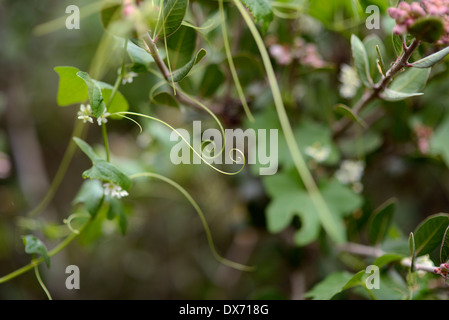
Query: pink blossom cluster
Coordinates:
[406,14]
[306,53]
[443,270]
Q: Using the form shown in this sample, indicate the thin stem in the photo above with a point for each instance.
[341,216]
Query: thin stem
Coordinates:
[341,126]
[105,140]
[38,261]
[62,170]
[197,208]
[327,219]
[235,76]
[41,283]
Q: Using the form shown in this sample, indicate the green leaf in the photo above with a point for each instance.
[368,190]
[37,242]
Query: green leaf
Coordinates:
[71,89]
[164,98]
[429,233]
[91,194]
[330,286]
[94,92]
[361,60]
[172,17]
[347,112]
[429,28]
[116,212]
[212,80]
[444,249]
[261,11]
[105,171]
[180,74]
[391,95]
[387,258]
[290,200]
[432,59]
[412,247]
[355,281]
[411,81]
[381,221]
[140,58]
[87,149]
[181,47]
[397,44]
[33,245]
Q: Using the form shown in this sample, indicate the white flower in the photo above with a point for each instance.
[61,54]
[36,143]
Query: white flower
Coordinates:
[85,113]
[103,118]
[350,172]
[317,152]
[350,81]
[128,78]
[113,190]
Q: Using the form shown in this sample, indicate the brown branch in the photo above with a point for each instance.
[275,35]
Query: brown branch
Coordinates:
[341,126]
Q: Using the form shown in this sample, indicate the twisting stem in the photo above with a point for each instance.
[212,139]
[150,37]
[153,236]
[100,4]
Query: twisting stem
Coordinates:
[41,283]
[332,227]
[369,96]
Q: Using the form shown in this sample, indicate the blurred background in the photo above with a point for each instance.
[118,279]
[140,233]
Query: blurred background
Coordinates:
[164,254]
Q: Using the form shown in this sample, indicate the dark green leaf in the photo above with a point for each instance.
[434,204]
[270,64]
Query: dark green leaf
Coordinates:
[71,89]
[165,99]
[172,17]
[429,233]
[330,286]
[386,259]
[105,171]
[381,221]
[87,149]
[33,245]
[361,60]
[180,74]
[432,59]
[212,79]
[429,28]
[181,47]
[261,11]
[444,249]
[91,194]
[94,92]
